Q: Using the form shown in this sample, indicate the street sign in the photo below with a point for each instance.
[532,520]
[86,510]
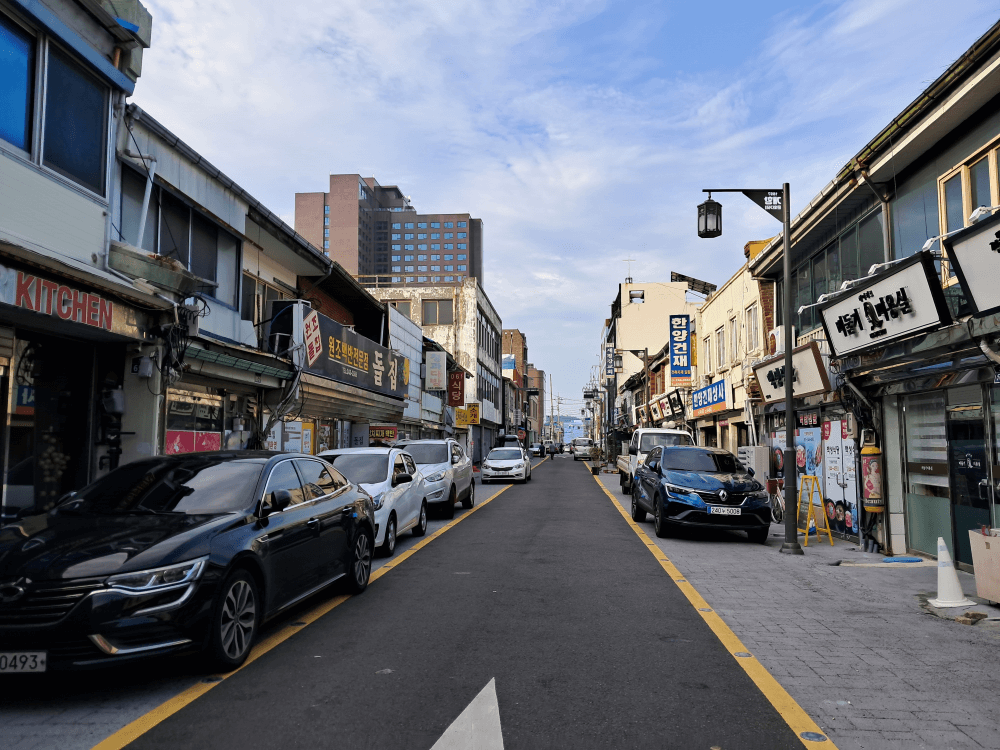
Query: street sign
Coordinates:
[769,200]
[521,434]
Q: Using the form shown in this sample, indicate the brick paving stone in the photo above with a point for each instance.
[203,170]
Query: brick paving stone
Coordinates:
[832,633]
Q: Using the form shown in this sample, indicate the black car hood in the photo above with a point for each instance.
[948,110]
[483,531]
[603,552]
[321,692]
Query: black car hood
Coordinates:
[711,482]
[60,545]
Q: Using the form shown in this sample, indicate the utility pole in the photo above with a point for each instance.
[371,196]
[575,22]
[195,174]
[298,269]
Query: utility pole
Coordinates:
[551,414]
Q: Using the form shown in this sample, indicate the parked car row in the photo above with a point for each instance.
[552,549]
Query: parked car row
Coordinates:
[196,552]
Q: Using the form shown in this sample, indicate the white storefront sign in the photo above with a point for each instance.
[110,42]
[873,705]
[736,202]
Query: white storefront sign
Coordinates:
[975,254]
[899,302]
[437,365]
[809,374]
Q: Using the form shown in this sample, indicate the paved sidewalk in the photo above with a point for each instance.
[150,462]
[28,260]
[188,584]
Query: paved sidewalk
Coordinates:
[855,645]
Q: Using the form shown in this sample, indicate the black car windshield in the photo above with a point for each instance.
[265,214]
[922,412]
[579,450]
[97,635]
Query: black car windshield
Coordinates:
[427,453]
[362,468]
[504,454]
[705,461]
[651,439]
[196,485]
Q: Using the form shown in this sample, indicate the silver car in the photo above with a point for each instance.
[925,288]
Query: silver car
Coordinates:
[582,448]
[396,485]
[447,471]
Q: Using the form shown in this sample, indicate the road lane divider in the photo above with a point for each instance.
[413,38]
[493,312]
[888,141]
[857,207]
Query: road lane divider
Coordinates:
[168,708]
[807,730]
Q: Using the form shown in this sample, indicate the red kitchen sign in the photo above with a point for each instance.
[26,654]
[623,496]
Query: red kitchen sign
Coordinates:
[40,295]
[456,388]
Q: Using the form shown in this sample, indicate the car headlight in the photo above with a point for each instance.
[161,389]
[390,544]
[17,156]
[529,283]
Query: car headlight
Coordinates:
[759,495]
[378,499]
[486,465]
[680,490]
[519,466]
[155,579]
[437,476]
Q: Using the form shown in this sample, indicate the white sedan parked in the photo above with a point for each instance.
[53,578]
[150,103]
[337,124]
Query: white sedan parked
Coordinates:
[397,487]
[506,463]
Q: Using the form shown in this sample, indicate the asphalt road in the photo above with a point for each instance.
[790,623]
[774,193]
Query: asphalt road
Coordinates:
[547,593]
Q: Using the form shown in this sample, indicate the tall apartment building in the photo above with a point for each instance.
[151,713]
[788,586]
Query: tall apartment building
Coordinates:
[375,233]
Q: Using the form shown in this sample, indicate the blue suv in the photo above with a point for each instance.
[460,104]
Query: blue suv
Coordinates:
[699,487]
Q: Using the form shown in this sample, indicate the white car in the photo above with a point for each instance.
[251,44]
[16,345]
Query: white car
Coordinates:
[506,463]
[447,471]
[396,485]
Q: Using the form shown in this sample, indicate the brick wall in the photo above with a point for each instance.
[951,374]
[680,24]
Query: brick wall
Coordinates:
[767,309]
[309,217]
[329,307]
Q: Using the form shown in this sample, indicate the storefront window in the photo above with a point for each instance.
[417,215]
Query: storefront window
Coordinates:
[928,505]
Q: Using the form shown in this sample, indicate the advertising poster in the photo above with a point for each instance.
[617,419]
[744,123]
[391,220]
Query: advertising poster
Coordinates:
[680,349]
[437,363]
[841,487]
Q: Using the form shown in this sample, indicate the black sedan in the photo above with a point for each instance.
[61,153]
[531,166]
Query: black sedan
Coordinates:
[699,487]
[175,554]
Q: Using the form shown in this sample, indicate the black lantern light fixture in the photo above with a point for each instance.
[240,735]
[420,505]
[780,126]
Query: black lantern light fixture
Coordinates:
[709,218]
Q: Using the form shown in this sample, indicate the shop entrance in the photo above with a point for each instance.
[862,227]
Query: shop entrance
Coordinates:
[968,466]
[50,421]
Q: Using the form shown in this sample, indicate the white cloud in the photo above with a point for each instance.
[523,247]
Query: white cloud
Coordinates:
[471,105]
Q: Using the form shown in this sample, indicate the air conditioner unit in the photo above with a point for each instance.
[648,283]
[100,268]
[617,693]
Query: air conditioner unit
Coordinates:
[776,339]
[756,457]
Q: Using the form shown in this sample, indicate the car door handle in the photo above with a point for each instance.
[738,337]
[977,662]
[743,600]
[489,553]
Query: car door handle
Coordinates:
[313,523]
[271,535]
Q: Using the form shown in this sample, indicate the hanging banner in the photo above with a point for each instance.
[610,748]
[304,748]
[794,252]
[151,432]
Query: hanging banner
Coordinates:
[456,388]
[437,364]
[769,200]
[609,361]
[680,349]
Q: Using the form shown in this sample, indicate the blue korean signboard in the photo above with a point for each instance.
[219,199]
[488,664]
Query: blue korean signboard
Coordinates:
[710,399]
[680,349]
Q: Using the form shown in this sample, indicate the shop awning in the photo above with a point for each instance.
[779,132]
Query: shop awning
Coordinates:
[327,399]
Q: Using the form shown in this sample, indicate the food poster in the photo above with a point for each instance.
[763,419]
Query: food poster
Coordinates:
[777,453]
[841,486]
[808,461]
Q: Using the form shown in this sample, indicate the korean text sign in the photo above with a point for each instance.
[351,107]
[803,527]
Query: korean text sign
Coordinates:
[710,399]
[345,356]
[680,349]
[894,304]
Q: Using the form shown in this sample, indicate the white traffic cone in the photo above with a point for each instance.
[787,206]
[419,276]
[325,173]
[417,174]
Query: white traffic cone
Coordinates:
[950,592]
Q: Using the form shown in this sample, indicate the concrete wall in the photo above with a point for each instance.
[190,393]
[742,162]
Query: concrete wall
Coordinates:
[644,325]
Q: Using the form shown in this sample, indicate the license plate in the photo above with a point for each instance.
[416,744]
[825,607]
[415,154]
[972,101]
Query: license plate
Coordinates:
[721,511]
[22,661]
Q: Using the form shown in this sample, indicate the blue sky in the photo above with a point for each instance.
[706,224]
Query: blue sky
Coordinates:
[580,132]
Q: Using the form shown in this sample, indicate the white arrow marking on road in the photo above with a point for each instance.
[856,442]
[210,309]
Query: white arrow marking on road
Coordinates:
[478,726]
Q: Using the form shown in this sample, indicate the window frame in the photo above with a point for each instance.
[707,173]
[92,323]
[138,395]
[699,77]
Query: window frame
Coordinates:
[964,170]
[44,43]
[720,346]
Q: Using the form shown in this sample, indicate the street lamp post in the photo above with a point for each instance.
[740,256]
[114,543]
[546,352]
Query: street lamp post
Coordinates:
[776,203]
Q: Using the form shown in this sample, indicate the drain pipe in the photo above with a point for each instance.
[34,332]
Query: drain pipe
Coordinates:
[990,353]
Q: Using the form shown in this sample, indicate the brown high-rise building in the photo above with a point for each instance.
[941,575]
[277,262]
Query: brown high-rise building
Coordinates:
[374,232]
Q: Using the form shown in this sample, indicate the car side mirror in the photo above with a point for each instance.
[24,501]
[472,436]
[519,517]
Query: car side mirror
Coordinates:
[399,479]
[276,502]
[455,459]
[633,451]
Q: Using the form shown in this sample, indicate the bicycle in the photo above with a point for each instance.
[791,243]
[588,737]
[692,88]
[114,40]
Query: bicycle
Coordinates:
[776,499]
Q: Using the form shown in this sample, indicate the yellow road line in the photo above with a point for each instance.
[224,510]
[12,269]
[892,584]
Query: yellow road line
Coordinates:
[144,723]
[794,715]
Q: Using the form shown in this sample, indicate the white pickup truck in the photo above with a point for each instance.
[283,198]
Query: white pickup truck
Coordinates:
[643,441]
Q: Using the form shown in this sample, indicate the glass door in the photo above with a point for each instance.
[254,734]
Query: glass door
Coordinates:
[928,505]
[968,466]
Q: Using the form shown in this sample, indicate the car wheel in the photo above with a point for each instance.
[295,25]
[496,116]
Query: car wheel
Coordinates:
[529,474]
[471,499]
[660,525]
[448,511]
[626,490]
[389,543]
[758,536]
[234,625]
[638,514]
[421,528]
[360,567]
